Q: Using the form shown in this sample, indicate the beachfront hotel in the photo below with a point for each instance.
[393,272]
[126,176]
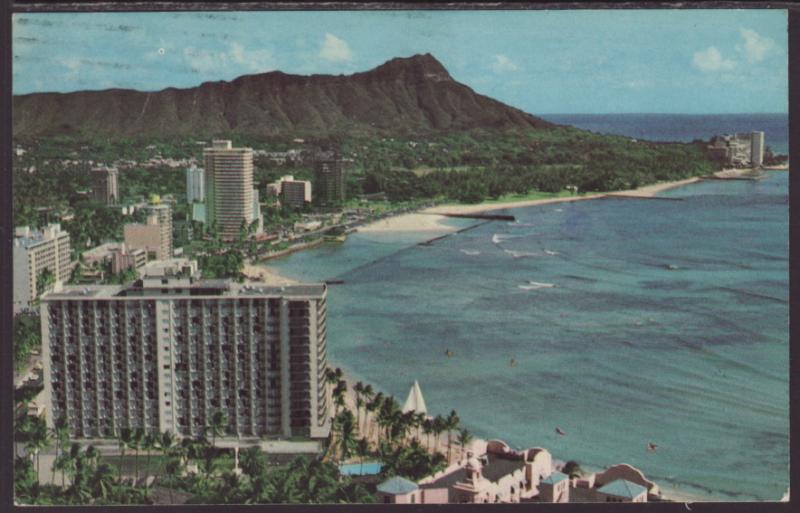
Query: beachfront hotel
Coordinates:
[228,187]
[166,352]
[741,149]
[34,252]
[491,472]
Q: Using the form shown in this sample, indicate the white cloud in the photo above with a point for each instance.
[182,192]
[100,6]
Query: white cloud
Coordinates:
[71,63]
[237,58]
[335,49]
[711,59]
[756,47]
[254,60]
[502,64]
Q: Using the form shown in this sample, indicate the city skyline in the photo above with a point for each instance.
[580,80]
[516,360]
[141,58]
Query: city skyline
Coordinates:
[623,61]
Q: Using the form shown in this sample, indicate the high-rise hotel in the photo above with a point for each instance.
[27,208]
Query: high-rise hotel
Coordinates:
[166,353]
[229,187]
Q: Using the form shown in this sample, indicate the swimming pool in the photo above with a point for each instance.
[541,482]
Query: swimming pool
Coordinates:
[369,468]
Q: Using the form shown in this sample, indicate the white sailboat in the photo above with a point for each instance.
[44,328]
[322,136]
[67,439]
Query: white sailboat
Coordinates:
[415,401]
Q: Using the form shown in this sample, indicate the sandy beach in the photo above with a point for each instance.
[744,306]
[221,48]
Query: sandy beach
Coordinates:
[647,191]
[264,274]
[413,222]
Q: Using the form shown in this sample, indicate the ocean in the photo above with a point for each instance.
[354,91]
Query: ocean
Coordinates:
[620,321]
[682,127]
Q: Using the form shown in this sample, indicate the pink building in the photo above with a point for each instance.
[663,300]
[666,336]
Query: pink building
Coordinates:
[498,475]
[554,488]
[146,237]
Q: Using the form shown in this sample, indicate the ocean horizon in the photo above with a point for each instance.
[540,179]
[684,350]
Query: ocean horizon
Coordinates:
[682,127]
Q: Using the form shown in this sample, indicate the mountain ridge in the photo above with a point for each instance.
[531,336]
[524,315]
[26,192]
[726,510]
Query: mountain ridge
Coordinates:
[403,95]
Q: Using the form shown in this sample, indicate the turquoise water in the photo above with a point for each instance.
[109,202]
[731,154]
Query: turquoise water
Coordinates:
[630,321]
[368,468]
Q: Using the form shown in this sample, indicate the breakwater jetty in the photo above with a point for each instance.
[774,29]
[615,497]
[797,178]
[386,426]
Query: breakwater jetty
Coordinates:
[487,217]
[471,227]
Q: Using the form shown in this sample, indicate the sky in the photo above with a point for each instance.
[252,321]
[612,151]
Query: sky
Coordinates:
[543,62]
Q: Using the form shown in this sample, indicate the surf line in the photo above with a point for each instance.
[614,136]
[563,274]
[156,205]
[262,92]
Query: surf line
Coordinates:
[430,242]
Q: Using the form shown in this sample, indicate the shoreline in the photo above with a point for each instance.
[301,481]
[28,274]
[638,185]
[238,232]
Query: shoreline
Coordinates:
[434,220]
[371,428]
[647,191]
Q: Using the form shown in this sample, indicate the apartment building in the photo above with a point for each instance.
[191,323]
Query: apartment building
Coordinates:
[166,353]
[229,187]
[329,184]
[34,252]
[163,213]
[104,185]
[195,184]
[292,193]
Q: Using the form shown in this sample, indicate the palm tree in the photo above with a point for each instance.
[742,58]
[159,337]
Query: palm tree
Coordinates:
[253,462]
[125,440]
[358,388]
[172,469]
[451,423]
[149,442]
[136,443]
[439,426]
[362,449]
[339,394]
[102,481]
[65,464]
[572,469]
[367,394]
[60,433]
[464,439]
[373,406]
[346,430]
[419,418]
[427,428]
[166,443]
[219,422]
[39,439]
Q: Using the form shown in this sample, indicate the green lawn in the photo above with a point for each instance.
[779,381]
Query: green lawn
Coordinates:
[533,195]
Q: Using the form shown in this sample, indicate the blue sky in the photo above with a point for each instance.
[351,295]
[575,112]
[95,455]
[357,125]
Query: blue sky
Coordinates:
[680,61]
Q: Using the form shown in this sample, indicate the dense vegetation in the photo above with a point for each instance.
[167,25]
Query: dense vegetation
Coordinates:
[202,473]
[27,336]
[465,166]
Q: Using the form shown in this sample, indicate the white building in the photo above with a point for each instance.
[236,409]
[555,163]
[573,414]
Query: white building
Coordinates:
[166,354]
[35,252]
[229,187]
[757,148]
[195,184]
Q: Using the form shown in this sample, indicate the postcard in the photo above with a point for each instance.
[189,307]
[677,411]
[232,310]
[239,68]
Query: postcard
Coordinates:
[400,256]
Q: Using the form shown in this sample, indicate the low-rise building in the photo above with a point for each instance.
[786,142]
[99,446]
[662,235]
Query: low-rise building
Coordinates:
[399,490]
[554,488]
[292,193]
[170,268]
[622,490]
[125,259]
[148,237]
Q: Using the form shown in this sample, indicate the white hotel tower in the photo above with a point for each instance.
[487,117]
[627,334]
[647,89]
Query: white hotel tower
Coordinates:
[166,353]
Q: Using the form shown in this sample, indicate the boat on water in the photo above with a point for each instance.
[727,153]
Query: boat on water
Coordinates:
[335,238]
